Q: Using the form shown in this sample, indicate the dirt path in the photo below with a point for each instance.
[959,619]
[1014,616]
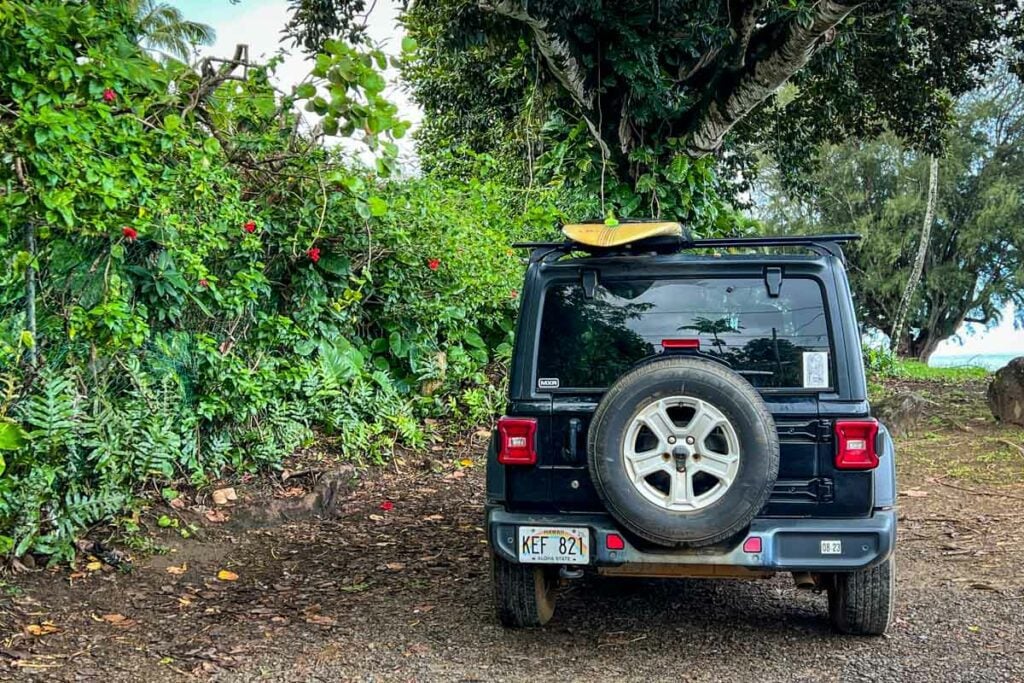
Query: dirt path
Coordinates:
[403,594]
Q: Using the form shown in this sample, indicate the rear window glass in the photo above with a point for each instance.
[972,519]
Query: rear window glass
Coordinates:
[775,342]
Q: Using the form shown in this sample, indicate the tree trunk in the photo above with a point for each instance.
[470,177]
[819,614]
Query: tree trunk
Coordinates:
[914,279]
[736,94]
[30,291]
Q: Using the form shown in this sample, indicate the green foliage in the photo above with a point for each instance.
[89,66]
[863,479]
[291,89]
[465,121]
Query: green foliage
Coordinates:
[215,288]
[975,261]
[881,364]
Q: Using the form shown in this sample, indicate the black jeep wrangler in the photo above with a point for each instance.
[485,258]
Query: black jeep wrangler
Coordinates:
[690,408]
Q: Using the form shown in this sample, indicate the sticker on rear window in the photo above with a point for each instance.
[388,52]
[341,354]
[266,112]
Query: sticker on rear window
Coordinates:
[547,383]
[815,369]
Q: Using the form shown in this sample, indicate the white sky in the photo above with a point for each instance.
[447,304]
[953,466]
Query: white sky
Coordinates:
[258,24]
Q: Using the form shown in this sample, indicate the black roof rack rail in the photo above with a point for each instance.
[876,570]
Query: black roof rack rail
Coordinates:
[824,245]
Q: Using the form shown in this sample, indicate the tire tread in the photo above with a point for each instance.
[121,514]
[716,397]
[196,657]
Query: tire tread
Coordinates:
[861,602]
[519,602]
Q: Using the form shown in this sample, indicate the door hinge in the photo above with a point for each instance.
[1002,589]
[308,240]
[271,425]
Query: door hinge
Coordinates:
[820,490]
[825,429]
[773,280]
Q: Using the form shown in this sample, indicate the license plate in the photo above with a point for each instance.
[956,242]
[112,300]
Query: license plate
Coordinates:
[554,545]
[831,547]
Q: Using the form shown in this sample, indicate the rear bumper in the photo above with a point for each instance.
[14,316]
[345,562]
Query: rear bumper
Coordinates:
[787,545]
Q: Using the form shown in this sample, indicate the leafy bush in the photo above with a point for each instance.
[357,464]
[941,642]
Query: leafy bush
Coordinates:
[212,287]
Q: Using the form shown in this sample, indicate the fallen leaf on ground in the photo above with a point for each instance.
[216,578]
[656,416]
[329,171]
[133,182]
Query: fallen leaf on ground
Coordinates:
[395,566]
[43,629]
[114,618]
[433,518]
[227,575]
[376,518]
[321,620]
[224,496]
[466,462]
[94,566]
[178,571]
[483,433]
[387,506]
[178,503]
[217,516]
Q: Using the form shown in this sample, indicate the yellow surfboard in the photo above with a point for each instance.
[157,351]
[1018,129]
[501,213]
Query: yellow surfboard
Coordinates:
[601,235]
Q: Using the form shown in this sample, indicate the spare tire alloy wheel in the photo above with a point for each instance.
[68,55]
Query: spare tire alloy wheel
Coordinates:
[683,451]
[682,465]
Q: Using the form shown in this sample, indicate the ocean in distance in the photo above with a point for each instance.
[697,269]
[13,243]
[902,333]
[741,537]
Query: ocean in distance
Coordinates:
[989,361]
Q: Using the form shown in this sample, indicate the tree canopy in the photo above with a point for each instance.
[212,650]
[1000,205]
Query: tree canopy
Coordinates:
[975,260]
[622,90]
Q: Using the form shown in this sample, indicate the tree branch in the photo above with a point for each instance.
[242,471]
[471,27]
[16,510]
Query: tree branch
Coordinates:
[561,63]
[737,93]
[748,11]
[559,59]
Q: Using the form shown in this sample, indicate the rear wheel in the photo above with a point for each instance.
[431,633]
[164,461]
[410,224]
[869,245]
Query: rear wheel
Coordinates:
[860,603]
[524,594]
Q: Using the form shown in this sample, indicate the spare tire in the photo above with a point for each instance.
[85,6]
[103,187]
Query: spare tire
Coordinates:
[683,451]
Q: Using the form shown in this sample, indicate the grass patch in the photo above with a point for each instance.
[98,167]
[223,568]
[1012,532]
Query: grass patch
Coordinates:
[912,369]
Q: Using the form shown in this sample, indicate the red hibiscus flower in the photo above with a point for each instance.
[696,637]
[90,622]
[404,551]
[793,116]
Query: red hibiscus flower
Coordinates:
[129,233]
[387,506]
[314,254]
[434,263]
[204,282]
[109,95]
[250,227]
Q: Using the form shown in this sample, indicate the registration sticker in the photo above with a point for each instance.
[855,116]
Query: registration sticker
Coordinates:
[815,370]
[831,547]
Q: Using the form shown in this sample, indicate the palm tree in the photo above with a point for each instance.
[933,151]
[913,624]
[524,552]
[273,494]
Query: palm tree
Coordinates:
[163,29]
[714,328]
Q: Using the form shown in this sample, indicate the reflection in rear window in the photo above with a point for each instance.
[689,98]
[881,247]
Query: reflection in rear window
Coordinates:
[589,343]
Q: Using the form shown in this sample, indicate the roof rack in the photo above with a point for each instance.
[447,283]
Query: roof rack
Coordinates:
[824,245]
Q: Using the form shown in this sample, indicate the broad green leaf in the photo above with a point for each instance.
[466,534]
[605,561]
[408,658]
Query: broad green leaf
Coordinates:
[474,339]
[12,436]
[378,207]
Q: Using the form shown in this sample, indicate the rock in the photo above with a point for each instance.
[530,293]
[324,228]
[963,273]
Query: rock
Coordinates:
[901,413]
[1006,393]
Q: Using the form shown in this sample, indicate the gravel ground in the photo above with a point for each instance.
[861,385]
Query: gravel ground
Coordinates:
[404,594]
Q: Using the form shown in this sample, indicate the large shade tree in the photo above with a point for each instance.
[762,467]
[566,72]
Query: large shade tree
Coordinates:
[628,100]
[626,95]
[974,264]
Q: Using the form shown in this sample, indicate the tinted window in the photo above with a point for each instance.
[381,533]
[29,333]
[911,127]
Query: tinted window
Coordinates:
[769,340]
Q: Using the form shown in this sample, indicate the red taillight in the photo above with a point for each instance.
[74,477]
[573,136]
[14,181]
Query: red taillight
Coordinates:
[681,344]
[752,545]
[516,439]
[855,444]
[614,542]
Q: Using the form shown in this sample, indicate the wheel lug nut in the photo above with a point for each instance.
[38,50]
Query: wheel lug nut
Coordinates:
[671,439]
[690,440]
